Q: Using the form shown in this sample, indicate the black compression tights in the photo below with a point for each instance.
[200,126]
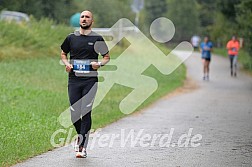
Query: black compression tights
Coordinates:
[81,97]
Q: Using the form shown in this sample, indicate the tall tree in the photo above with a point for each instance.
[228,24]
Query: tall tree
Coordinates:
[207,11]
[155,9]
[244,19]
[59,10]
[107,13]
[227,8]
[185,17]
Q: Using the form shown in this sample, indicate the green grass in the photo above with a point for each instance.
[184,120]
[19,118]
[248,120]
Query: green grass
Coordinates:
[244,58]
[31,100]
[33,39]
[33,88]
[34,93]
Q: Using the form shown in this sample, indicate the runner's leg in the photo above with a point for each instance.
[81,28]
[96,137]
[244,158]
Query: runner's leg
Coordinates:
[204,69]
[89,91]
[235,65]
[74,93]
[207,68]
[231,57]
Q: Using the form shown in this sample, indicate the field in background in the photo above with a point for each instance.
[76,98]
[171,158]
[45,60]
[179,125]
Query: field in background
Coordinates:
[33,88]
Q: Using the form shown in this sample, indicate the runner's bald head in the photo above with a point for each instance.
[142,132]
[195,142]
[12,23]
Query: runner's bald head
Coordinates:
[87,12]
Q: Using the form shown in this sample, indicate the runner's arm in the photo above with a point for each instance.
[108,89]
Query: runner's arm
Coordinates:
[105,60]
[65,61]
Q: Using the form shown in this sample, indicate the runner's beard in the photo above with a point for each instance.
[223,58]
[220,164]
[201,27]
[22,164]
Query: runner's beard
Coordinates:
[86,26]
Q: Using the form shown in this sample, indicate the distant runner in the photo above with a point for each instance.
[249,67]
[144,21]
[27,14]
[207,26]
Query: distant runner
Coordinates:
[233,47]
[195,41]
[206,48]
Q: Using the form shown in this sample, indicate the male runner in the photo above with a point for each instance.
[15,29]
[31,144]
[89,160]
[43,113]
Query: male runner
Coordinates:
[82,80]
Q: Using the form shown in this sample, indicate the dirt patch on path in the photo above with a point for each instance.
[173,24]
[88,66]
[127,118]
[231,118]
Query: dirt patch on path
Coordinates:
[189,86]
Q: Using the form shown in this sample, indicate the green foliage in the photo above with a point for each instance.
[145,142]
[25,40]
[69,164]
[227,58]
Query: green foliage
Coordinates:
[221,32]
[244,19]
[36,38]
[33,88]
[185,19]
[227,8]
[107,13]
[34,93]
[244,58]
[32,96]
[207,11]
[59,10]
[227,18]
[155,9]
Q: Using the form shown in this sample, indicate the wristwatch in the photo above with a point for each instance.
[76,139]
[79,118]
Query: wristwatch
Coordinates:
[100,63]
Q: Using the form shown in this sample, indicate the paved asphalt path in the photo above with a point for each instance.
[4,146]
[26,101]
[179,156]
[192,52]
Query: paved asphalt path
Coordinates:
[219,111]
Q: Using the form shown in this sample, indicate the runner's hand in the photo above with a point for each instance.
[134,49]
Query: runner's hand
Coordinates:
[95,65]
[69,67]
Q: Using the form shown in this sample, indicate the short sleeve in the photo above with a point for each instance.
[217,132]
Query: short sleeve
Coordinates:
[201,45]
[101,47]
[228,44]
[211,45]
[238,44]
[65,46]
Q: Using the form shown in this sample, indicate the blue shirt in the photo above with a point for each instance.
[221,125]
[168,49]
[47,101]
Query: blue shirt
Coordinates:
[206,53]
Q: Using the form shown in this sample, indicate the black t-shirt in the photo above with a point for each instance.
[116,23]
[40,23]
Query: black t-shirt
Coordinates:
[82,47]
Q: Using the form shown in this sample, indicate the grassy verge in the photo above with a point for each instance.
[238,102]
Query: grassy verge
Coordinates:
[32,97]
[244,58]
[33,90]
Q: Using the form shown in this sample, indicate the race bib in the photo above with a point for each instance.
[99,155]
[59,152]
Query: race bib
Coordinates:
[81,66]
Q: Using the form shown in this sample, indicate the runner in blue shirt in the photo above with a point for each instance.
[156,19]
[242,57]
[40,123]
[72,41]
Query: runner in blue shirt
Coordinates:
[206,48]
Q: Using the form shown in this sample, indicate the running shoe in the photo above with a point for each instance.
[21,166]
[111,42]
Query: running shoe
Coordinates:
[207,78]
[82,153]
